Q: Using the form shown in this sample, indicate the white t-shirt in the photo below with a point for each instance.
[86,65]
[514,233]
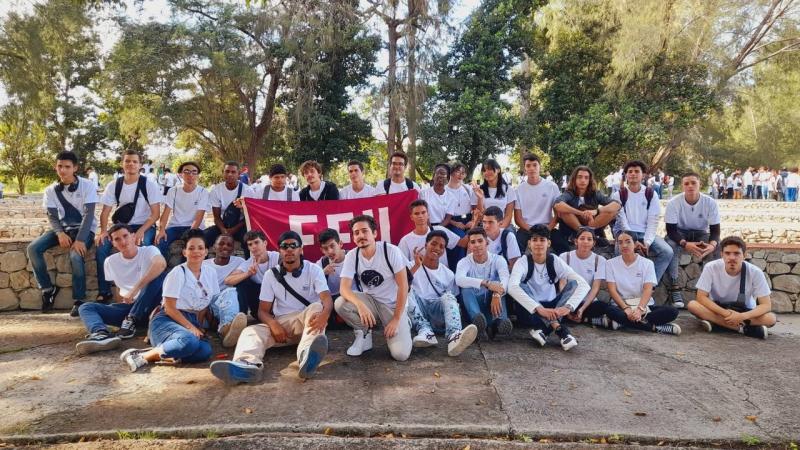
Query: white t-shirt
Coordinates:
[692,217]
[91,177]
[536,201]
[496,247]
[630,280]
[586,267]
[85,193]
[509,196]
[185,205]
[395,187]
[125,273]
[258,277]
[723,288]
[792,180]
[635,216]
[464,198]
[191,294]
[334,279]
[539,282]
[412,240]
[442,279]
[283,196]
[469,273]
[309,285]
[170,179]
[220,197]
[376,278]
[438,205]
[223,271]
[347,193]
[315,194]
[142,211]
[151,176]
[748,178]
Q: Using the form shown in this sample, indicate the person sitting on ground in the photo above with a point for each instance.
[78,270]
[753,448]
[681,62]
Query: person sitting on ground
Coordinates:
[379,272]
[733,294]
[494,191]
[138,273]
[483,278]
[415,239]
[440,201]
[501,241]
[177,327]
[583,205]
[535,200]
[397,181]
[70,204]
[295,304]
[277,188]
[225,305]
[592,267]
[188,204]
[693,225]
[639,215]
[631,279]
[358,188]
[433,307]
[316,189]
[226,200]
[248,276]
[547,289]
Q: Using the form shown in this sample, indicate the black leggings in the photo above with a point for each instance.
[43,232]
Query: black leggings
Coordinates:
[595,309]
[658,315]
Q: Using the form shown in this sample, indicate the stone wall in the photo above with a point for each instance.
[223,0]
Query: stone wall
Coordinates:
[18,289]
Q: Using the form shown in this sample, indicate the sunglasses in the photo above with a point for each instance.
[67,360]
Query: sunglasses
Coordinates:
[289,245]
[202,289]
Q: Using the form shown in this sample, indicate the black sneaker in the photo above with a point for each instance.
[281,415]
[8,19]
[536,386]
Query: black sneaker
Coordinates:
[128,328]
[480,322]
[756,331]
[49,299]
[97,341]
[500,326]
[74,311]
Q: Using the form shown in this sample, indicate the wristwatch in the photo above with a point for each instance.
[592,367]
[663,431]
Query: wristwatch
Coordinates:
[682,243]
[570,308]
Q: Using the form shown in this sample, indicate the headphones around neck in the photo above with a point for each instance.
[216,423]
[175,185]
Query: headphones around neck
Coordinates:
[295,273]
[72,187]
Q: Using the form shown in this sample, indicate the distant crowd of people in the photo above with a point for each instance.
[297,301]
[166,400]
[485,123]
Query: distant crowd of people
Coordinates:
[753,183]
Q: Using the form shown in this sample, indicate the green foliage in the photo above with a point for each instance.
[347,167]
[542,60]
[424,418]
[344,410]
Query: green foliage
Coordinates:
[750,440]
[23,150]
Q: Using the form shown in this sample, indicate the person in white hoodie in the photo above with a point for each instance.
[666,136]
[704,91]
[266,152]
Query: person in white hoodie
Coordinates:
[547,288]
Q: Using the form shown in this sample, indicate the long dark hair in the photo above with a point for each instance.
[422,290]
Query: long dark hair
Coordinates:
[501,191]
[590,189]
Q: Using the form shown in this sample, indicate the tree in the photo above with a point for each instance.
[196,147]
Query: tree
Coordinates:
[23,149]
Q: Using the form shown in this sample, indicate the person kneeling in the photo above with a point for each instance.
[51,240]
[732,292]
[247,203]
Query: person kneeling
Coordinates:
[294,310]
[534,284]
[434,307]
[733,294]
[176,329]
[630,279]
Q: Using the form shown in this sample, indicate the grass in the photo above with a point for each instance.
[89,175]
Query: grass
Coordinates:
[211,434]
[750,440]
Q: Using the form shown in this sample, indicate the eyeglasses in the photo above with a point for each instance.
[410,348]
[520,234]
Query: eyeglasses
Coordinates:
[202,289]
[190,172]
[289,245]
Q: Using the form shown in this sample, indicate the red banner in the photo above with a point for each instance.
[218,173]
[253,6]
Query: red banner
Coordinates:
[310,218]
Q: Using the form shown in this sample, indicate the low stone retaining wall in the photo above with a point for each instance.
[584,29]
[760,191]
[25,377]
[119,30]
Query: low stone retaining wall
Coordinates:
[18,289]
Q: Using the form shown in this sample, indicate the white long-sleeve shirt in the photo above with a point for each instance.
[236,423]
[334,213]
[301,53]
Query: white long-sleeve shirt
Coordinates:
[635,216]
[470,274]
[539,284]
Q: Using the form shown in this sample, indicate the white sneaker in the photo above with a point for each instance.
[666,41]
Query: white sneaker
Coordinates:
[425,338]
[568,342]
[232,331]
[539,337]
[707,326]
[361,344]
[460,340]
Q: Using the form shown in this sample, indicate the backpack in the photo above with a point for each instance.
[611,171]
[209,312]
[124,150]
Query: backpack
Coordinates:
[357,275]
[232,215]
[387,183]
[550,264]
[124,214]
[596,259]
[623,196]
[268,188]
[503,243]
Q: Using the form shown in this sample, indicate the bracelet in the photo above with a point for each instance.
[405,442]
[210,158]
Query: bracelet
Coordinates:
[641,309]
[627,308]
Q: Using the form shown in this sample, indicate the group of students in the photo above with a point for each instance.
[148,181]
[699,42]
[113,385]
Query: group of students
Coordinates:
[463,263]
[751,183]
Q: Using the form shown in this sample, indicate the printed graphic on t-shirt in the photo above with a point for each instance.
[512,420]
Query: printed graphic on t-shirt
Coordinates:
[371,278]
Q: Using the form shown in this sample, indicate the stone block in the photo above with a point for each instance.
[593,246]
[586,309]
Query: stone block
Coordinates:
[20,280]
[693,271]
[685,259]
[91,282]
[796,269]
[777,268]
[49,260]
[759,254]
[774,256]
[787,283]
[91,268]
[64,299]
[13,261]
[8,300]
[64,280]
[63,264]
[760,263]
[692,284]
[791,258]
[5,280]
[781,302]
[30,299]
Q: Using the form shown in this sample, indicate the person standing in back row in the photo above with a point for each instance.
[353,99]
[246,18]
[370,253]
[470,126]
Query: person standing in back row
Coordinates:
[397,181]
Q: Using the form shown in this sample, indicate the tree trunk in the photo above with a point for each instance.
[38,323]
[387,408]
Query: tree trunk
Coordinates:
[411,100]
[260,131]
[21,184]
[391,89]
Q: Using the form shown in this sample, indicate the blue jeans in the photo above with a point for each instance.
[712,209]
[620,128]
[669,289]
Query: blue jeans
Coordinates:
[104,251]
[535,321]
[659,252]
[48,240]
[454,255]
[477,301]
[439,315]
[791,194]
[96,316]
[224,306]
[176,341]
[765,192]
[173,234]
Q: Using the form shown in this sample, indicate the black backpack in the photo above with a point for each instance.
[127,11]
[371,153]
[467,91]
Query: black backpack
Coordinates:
[124,214]
[232,215]
[387,183]
[623,196]
[551,270]
[504,244]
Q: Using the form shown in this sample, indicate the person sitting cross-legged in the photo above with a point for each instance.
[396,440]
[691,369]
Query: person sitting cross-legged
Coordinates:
[225,305]
[177,327]
[248,276]
[547,288]
[294,310]
[433,307]
[138,272]
[733,294]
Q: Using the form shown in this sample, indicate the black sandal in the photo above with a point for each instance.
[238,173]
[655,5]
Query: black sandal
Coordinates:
[104,299]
